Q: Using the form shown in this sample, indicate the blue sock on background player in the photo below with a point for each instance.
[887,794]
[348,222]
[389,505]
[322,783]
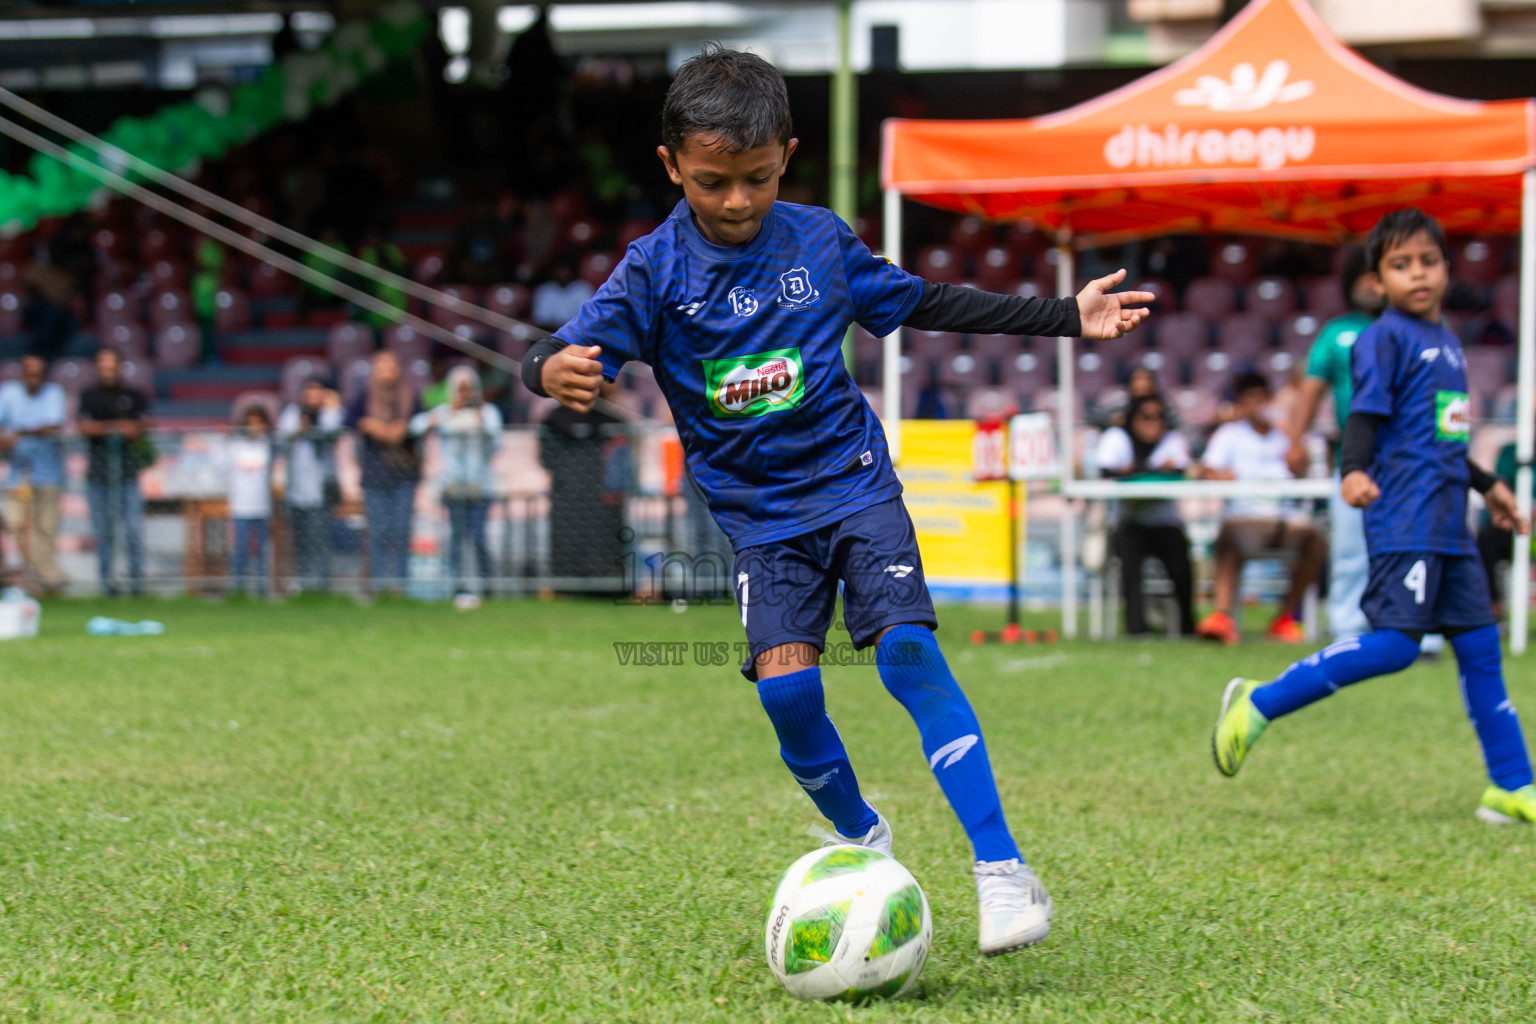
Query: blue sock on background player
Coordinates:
[813,751]
[1349,661]
[913,669]
[1488,705]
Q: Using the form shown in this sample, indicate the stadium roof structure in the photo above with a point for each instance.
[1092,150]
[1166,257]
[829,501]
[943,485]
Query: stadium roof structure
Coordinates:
[1272,127]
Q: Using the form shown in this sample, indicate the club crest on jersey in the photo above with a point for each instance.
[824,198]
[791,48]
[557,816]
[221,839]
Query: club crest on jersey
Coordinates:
[743,302]
[798,291]
[753,385]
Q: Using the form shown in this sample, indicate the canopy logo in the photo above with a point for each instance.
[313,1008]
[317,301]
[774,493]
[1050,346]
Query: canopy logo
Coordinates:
[1270,148]
[756,384]
[1247,90]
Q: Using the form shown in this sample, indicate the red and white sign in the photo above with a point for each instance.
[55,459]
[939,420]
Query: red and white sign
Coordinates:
[1032,447]
[988,452]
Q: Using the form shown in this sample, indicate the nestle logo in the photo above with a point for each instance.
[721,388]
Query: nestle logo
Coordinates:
[772,368]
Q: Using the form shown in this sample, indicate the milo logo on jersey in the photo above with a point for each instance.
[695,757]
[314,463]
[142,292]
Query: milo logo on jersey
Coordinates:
[1453,416]
[753,385]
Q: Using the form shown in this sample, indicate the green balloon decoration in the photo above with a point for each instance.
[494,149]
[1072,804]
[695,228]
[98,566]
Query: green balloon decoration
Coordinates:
[178,136]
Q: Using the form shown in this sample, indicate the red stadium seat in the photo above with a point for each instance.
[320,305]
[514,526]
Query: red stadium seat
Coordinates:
[962,370]
[167,275]
[155,244]
[1213,372]
[347,342]
[929,344]
[130,340]
[998,269]
[1180,336]
[1027,373]
[941,264]
[1298,333]
[11,275]
[632,231]
[1209,297]
[418,373]
[1165,302]
[429,269]
[596,266]
[1243,336]
[970,235]
[1489,369]
[298,370]
[1234,261]
[511,346]
[1095,372]
[406,343]
[177,346]
[1478,261]
[989,403]
[117,307]
[583,233]
[233,311]
[138,373]
[1324,299]
[11,303]
[73,375]
[170,307]
[508,300]
[451,315]
[1273,298]
[267,282]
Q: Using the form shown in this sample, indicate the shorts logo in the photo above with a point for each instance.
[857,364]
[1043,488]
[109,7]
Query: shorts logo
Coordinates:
[901,572]
[1453,416]
[753,385]
[798,291]
[743,302]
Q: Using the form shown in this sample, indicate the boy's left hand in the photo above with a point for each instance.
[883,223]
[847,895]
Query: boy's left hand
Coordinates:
[1104,316]
[1502,509]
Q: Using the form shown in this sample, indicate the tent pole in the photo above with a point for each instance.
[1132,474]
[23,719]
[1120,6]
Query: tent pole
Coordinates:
[844,141]
[890,381]
[1066,402]
[1525,426]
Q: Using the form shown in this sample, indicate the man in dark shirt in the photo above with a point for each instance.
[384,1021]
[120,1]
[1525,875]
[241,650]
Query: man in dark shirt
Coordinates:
[112,420]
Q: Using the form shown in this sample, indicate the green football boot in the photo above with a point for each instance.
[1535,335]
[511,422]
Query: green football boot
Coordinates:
[1238,728]
[1503,807]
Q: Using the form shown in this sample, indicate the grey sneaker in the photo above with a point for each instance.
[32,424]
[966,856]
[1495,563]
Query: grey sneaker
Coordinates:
[1015,908]
[877,838]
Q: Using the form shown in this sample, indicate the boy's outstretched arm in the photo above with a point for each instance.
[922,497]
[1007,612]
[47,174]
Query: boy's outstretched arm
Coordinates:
[570,374]
[1094,313]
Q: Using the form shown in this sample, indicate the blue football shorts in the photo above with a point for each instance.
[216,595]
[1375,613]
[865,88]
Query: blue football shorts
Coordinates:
[1427,592]
[786,590]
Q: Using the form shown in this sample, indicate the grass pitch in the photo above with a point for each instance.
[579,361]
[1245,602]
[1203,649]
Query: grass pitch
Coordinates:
[321,812]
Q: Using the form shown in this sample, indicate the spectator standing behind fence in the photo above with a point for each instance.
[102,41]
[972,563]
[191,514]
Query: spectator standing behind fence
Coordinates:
[469,432]
[1146,448]
[250,498]
[381,414]
[587,455]
[31,420]
[1252,447]
[559,299]
[308,429]
[112,420]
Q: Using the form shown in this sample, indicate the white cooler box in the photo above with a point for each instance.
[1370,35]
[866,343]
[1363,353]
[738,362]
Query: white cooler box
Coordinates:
[19,618]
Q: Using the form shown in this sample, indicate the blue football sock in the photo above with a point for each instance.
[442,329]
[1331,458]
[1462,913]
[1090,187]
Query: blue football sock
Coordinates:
[913,669]
[813,751]
[1314,677]
[1488,705]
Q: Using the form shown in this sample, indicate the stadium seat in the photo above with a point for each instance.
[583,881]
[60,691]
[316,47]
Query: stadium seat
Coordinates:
[1027,373]
[10,370]
[417,373]
[1181,336]
[940,263]
[73,375]
[138,373]
[1273,298]
[11,275]
[1195,407]
[511,346]
[429,269]
[929,345]
[1477,261]
[962,371]
[970,235]
[1506,301]
[450,315]
[267,282]
[169,307]
[1095,372]
[1210,298]
[131,340]
[597,266]
[353,378]
[997,269]
[1278,364]
[233,311]
[117,307]
[1489,369]
[1031,290]
[155,244]
[584,233]
[1213,372]
[167,275]
[1166,299]
[1323,299]
[407,343]
[11,302]
[632,231]
[508,300]
[1234,261]
[1297,333]
[989,404]
[177,346]
[867,349]
[1243,336]
[346,342]
[298,370]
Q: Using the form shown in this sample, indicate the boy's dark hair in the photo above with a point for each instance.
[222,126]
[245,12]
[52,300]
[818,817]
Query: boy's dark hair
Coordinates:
[1399,226]
[737,99]
[259,410]
[1353,267]
[1249,381]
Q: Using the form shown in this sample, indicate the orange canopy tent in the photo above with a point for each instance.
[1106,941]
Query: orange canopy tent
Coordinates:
[1272,127]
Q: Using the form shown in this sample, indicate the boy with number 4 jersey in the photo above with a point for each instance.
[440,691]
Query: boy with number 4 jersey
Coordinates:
[1405,463]
[740,303]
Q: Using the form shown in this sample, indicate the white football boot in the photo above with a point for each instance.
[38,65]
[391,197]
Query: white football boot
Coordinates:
[1015,908]
[877,838]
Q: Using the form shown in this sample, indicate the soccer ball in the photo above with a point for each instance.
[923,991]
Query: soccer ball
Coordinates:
[847,922]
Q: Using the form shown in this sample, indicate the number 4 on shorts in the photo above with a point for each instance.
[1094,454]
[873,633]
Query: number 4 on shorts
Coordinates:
[1415,580]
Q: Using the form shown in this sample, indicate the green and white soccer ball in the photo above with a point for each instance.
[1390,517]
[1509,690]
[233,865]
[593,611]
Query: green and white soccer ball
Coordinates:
[847,922]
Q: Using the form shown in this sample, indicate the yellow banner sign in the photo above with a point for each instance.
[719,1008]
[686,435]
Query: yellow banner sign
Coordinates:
[962,524]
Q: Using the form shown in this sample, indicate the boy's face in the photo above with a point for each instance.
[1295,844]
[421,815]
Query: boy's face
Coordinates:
[729,194]
[1366,294]
[1414,275]
[1250,405]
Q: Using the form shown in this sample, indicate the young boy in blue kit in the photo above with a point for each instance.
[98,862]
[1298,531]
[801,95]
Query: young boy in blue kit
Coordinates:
[1405,463]
[740,303]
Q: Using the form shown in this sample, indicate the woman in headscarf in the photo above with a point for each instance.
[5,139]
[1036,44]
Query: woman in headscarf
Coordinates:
[469,431]
[381,415]
[1145,447]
